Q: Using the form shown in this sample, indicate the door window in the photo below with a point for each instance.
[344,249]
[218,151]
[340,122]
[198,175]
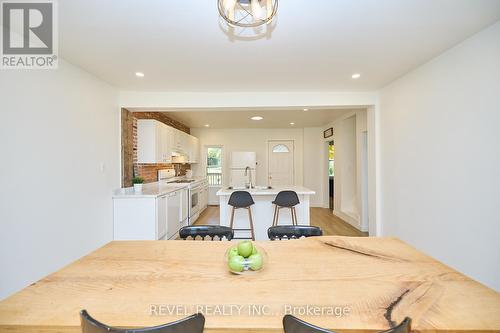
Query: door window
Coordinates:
[214,165]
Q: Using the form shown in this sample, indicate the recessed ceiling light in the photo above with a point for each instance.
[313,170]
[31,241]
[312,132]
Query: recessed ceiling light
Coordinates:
[257,118]
[356,76]
[139,74]
[206,125]
[306,109]
[292,124]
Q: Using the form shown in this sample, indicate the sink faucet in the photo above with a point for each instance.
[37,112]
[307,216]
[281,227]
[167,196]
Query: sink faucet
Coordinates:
[248,171]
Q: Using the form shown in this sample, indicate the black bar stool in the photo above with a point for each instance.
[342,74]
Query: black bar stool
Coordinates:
[285,199]
[242,200]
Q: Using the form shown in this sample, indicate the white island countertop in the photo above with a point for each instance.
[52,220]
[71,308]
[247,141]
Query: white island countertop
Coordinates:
[273,191]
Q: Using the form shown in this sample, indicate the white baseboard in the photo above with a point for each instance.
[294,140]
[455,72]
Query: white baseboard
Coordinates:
[349,219]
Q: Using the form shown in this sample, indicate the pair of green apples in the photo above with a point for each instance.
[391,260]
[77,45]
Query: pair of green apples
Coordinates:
[245,255]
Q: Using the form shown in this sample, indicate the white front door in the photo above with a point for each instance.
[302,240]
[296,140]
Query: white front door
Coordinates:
[280,163]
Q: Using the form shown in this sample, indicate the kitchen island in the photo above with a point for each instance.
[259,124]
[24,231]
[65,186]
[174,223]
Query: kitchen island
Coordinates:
[263,210]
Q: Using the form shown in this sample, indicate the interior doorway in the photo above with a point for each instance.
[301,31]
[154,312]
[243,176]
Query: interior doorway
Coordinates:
[280,163]
[331,175]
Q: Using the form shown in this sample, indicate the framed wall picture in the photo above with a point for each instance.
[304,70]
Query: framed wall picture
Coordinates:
[328,133]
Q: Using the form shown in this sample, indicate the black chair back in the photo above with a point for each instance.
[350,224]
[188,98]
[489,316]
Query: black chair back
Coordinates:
[192,324]
[293,324]
[241,199]
[287,199]
[293,231]
[203,231]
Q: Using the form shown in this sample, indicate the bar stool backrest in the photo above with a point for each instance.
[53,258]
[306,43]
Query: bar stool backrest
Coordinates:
[287,199]
[240,199]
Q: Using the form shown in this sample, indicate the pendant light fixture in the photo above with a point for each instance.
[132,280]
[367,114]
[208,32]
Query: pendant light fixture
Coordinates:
[247,13]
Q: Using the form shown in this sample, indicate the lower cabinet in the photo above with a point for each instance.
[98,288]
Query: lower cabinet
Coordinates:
[173,214]
[147,218]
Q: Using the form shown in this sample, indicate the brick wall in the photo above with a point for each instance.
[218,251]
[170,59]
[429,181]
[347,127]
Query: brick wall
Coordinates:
[130,167]
[163,118]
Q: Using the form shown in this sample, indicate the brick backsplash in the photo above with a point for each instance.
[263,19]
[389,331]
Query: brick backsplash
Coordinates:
[130,167]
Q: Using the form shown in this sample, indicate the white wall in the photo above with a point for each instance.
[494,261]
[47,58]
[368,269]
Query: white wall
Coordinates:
[348,137]
[179,100]
[315,165]
[440,157]
[58,128]
[247,139]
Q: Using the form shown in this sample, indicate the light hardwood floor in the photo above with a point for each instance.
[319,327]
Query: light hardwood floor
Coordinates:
[321,217]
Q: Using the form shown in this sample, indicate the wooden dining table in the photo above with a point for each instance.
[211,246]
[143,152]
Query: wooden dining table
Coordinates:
[346,284]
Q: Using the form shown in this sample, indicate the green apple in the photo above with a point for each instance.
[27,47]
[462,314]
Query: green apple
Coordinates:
[233,252]
[245,248]
[254,250]
[236,263]
[255,261]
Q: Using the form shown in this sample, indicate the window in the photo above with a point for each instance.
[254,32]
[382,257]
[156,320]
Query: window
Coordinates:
[280,149]
[214,165]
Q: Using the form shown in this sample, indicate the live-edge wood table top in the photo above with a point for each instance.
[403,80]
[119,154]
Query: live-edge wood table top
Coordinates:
[347,284]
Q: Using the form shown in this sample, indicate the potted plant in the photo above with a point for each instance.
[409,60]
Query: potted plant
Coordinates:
[137,181]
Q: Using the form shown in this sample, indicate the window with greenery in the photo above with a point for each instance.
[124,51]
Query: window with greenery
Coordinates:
[214,165]
[331,163]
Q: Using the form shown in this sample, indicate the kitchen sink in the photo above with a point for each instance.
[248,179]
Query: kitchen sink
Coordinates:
[254,188]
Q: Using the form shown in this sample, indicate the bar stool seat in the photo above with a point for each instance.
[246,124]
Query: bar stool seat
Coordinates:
[242,200]
[285,199]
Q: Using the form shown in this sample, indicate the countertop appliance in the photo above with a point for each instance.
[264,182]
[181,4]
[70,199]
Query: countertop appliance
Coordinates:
[243,168]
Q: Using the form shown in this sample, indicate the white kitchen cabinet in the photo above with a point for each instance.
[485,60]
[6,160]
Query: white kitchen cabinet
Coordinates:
[157,143]
[194,149]
[173,212]
[167,143]
[153,142]
[184,211]
[203,197]
[162,217]
[179,141]
[148,218]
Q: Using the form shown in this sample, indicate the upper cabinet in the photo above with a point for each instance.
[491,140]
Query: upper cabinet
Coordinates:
[194,149]
[157,143]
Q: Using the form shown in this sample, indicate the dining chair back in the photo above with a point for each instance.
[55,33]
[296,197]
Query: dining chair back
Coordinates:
[293,324]
[203,231]
[192,324]
[293,231]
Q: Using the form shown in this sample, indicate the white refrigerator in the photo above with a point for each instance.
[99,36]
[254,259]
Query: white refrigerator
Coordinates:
[240,161]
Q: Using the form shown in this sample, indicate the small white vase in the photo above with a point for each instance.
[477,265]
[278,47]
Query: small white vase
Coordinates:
[138,188]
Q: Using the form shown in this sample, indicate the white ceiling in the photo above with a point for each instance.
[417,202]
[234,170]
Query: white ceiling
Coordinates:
[273,118]
[316,46]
